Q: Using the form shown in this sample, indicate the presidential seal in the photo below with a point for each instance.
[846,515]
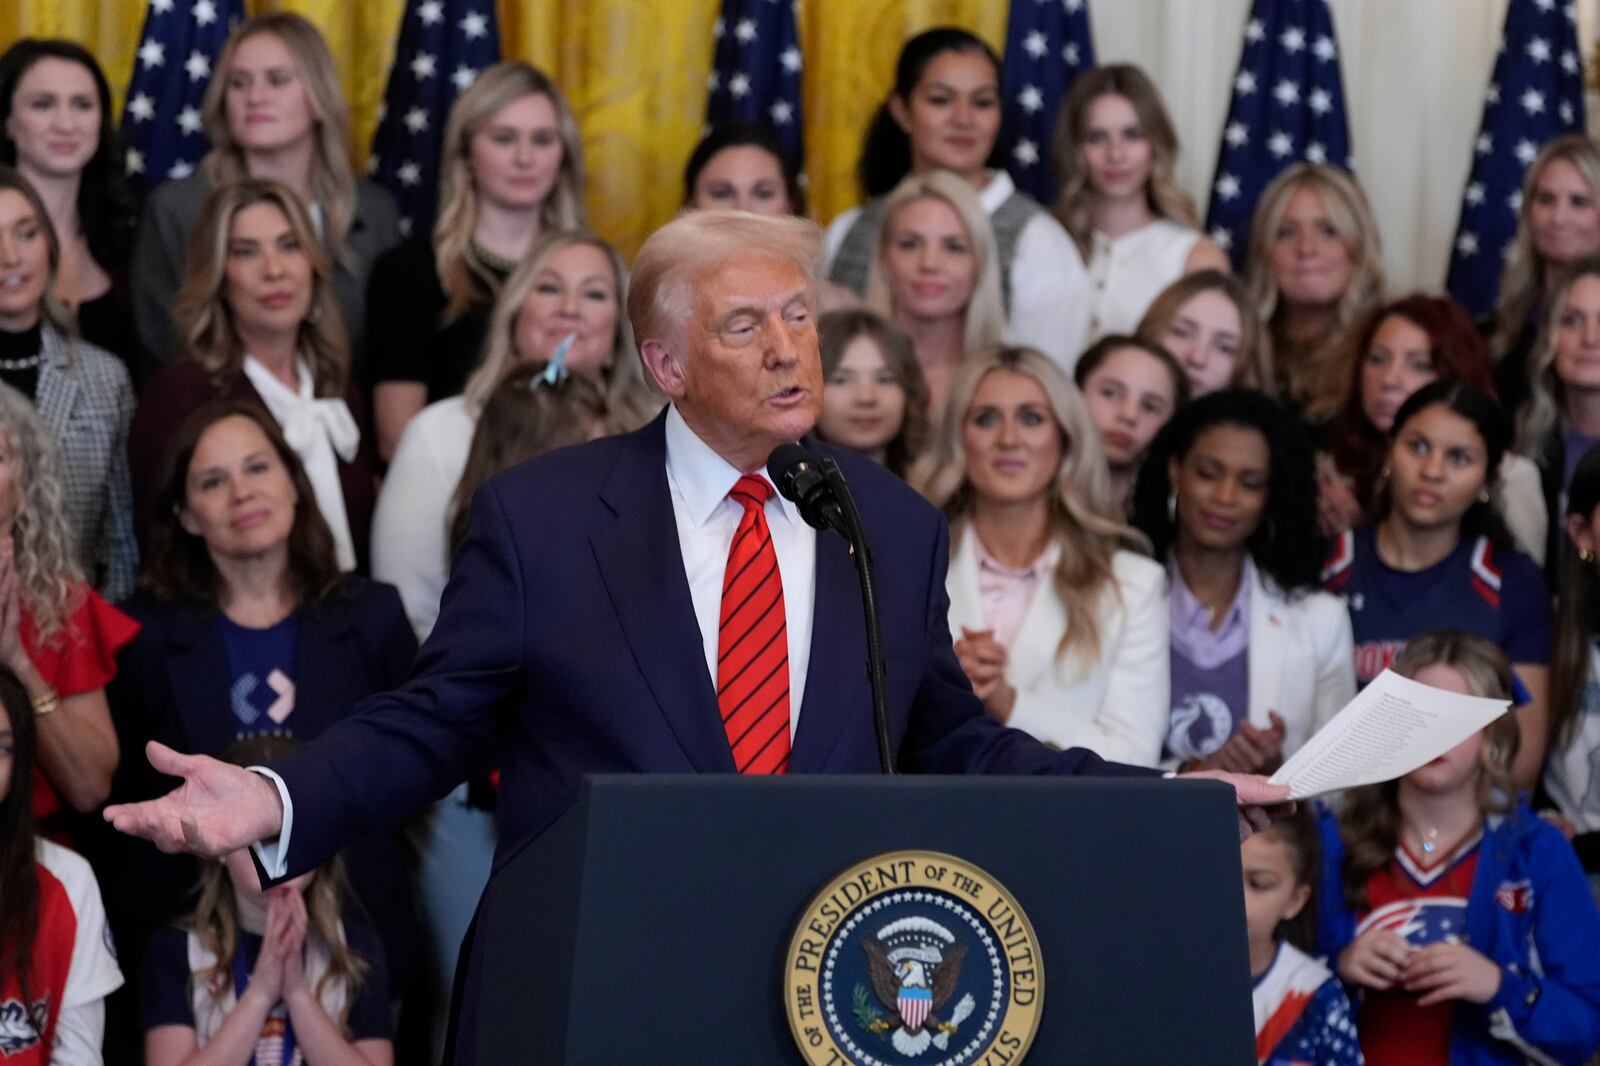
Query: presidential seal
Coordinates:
[913,957]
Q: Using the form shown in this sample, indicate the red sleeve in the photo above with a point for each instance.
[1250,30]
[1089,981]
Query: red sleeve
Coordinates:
[83,655]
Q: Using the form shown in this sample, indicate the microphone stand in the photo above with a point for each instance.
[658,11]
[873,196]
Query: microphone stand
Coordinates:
[877,674]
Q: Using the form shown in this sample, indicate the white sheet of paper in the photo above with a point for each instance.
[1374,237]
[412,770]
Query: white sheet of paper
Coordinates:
[1393,726]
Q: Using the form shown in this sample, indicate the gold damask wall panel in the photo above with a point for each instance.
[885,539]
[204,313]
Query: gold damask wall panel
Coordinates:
[634,70]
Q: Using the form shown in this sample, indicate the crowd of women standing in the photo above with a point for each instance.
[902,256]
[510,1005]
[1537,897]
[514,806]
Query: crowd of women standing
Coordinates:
[1192,513]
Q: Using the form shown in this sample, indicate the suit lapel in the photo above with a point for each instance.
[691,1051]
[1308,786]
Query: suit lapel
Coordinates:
[641,564]
[1269,635]
[58,389]
[321,670]
[836,673]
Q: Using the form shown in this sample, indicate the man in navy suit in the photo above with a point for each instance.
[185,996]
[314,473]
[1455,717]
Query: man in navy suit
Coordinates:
[598,618]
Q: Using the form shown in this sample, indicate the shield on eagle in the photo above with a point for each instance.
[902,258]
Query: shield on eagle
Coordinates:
[914,1005]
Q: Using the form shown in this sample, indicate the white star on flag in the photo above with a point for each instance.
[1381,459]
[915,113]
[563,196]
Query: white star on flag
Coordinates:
[1533,101]
[416,119]
[474,25]
[1072,6]
[1321,101]
[205,13]
[1280,144]
[198,66]
[1475,193]
[714,80]
[1545,5]
[1485,144]
[1227,186]
[745,31]
[1237,135]
[1514,201]
[422,66]
[152,53]
[1223,237]
[781,112]
[161,7]
[1034,44]
[1569,62]
[1293,39]
[409,173]
[1526,151]
[1467,244]
[1325,50]
[431,13]
[1493,93]
[1245,83]
[1539,50]
[405,227]
[790,59]
[1315,153]
[180,170]
[135,161]
[189,120]
[1254,31]
[1069,52]
[1030,98]
[142,108]
[739,85]
[1286,92]
[1026,152]
[463,78]
[1565,111]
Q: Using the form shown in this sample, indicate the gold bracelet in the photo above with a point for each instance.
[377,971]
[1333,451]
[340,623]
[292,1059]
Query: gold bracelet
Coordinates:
[46,703]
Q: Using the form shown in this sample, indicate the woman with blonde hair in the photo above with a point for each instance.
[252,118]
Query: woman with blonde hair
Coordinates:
[1314,271]
[937,275]
[1061,622]
[273,110]
[1115,150]
[943,113]
[1558,225]
[1210,325]
[57,636]
[261,325]
[511,169]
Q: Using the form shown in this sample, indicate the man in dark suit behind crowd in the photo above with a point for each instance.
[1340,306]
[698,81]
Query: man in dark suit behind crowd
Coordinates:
[645,603]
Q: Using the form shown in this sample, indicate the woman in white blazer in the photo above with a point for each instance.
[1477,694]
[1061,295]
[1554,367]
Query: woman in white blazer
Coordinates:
[1060,622]
[1260,656]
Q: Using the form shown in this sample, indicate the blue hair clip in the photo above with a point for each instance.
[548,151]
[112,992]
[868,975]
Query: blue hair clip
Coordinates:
[556,372]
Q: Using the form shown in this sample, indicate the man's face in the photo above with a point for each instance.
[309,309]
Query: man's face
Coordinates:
[751,369]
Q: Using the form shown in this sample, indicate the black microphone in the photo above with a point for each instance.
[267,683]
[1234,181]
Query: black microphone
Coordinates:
[800,479]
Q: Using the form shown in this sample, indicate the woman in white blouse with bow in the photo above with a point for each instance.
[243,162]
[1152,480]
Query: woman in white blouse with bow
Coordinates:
[259,323]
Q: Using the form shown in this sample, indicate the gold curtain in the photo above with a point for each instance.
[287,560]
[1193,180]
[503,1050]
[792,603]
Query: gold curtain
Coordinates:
[634,71]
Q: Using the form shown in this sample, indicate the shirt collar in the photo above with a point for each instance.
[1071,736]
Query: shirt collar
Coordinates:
[997,192]
[702,477]
[1042,565]
[1188,610]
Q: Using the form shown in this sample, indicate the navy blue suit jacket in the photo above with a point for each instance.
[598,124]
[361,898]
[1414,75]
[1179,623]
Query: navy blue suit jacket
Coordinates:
[567,645]
[172,685]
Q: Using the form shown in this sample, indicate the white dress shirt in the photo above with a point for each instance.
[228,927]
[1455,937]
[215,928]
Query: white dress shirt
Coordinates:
[699,481]
[1049,284]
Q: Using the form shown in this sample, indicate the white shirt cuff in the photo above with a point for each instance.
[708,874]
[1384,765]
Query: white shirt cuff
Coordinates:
[274,853]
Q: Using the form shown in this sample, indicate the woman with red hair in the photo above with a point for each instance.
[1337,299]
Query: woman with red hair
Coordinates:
[1402,346]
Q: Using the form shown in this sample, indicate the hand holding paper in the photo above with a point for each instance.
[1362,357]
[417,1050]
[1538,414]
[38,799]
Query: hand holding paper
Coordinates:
[1393,726]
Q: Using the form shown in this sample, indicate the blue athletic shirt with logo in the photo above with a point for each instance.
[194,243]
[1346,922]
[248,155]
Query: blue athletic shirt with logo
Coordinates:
[1496,593]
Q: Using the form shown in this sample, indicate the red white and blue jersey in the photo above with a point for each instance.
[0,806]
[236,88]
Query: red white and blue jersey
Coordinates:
[1497,593]
[1303,1017]
[1425,904]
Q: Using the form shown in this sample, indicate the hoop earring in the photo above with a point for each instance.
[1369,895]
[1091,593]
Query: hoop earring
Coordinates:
[314,315]
[1585,555]
[1172,506]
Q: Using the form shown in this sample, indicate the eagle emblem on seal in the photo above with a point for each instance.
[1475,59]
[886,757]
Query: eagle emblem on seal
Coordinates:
[915,965]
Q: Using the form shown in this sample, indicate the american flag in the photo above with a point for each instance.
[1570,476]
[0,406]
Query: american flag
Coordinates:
[755,70]
[443,45]
[1048,45]
[161,120]
[1288,106]
[1535,94]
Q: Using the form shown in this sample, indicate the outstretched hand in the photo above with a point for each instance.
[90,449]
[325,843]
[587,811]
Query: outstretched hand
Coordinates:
[219,807]
[1260,802]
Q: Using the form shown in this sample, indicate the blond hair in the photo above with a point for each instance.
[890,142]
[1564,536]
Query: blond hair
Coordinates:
[628,397]
[660,295]
[201,309]
[985,321]
[333,181]
[1253,368]
[1082,502]
[1523,278]
[1318,384]
[1541,411]
[496,88]
[49,581]
[1075,206]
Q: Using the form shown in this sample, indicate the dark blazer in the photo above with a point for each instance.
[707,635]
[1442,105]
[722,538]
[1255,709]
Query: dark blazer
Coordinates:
[567,645]
[185,387]
[160,262]
[172,685]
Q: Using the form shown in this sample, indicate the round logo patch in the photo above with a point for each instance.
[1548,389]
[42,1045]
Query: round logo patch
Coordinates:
[913,957]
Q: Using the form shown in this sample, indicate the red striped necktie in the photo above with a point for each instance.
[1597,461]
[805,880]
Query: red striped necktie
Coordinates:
[753,641]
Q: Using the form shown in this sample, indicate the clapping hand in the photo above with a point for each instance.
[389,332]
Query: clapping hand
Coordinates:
[984,660]
[219,807]
[1248,751]
[1451,970]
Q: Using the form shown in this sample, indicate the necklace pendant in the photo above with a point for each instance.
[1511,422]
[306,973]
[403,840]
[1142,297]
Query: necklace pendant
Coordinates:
[1428,847]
